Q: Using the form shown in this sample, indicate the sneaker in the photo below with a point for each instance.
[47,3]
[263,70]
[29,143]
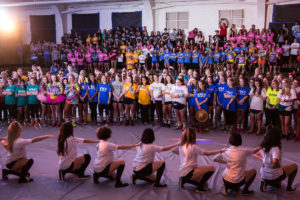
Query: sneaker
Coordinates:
[127,123]
[36,124]
[224,190]
[247,192]
[31,123]
[263,186]
[24,123]
[74,124]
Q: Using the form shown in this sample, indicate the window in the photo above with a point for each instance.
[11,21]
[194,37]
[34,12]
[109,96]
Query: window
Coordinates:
[178,20]
[234,16]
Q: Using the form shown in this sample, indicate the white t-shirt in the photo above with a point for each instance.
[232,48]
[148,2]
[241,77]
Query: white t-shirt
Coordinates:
[105,155]
[168,88]
[180,90]
[288,104]
[145,155]
[19,150]
[267,172]
[188,157]
[286,49]
[256,102]
[156,88]
[142,58]
[294,48]
[70,152]
[120,58]
[236,161]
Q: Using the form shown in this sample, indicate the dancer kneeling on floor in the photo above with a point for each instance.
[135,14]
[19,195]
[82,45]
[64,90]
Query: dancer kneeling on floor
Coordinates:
[144,165]
[67,150]
[235,158]
[16,162]
[272,173]
[188,152]
[104,165]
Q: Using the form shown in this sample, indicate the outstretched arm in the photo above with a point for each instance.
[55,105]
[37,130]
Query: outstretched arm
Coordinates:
[40,138]
[167,148]
[214,152]
[128,146]
[90,141]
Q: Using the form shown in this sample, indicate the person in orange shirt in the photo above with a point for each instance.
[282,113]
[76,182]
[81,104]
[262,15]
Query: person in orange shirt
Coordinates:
[123,48]
[129,91]
[135,57]
[88,39]
[95,39]
[144,99]
[129,62]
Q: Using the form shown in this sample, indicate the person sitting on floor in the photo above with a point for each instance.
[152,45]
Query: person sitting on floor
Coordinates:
[144,165]
[67,151]
[17,162]
[272,172]
[235,158]
[188,152]
[105,165]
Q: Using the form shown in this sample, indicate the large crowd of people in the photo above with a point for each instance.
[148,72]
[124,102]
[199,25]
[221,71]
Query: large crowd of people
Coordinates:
[124,76]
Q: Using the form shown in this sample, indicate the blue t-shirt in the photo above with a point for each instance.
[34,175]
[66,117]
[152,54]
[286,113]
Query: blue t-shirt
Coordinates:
[187,57]
[83,88]
[180,58]
[241,93]
[154,58]
[232,92]
[104,90]
[210,58]
[195,56]
[92,88]
[203,59]
[217,57]
[213,90]
[47,53]
[297,33]
[237,49]
[221,87]
[10,99]
[192,90]
[173,58]
[166,57]
[201,96]
[53,70]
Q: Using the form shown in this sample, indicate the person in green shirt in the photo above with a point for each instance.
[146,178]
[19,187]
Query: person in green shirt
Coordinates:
[10,99]
[33,102]
[272,103]
[21,102]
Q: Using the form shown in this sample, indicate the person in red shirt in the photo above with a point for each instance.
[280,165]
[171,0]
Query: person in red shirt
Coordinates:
[223,24]
[113,58]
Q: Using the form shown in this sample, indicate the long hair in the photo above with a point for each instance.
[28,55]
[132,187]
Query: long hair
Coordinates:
[188,137]
[66,130]
[272,139]
[286,90]
[203,83]
[13,133]
[260,86]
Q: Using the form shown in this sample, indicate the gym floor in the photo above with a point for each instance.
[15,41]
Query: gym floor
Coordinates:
[47,186]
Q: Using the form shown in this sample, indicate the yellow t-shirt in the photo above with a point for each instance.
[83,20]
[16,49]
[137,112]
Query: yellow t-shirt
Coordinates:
[127,54]
[95,39]
[272,95]
[144,98]
[135,57]
[123,48]
[130,63]
[88,40]
[128,94]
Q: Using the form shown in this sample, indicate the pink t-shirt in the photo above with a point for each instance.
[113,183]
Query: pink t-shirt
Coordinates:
[270,37]
[251,36]
[88,57]
[73,60]
[100,56]
[69,56]
[80,61]
[105,57]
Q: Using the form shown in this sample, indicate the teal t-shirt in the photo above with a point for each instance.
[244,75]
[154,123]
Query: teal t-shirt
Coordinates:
[21,100]
[32,99]
[10,99]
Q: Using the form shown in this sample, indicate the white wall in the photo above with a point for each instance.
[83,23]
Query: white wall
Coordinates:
[205,17]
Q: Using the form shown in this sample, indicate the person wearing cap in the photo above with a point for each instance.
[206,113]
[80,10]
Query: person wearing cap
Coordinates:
[235,158]
[188,152]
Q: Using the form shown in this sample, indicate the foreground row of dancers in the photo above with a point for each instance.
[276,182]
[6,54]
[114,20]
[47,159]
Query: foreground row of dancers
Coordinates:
[146,168]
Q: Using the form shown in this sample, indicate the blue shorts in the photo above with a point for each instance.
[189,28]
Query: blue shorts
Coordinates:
[154,61]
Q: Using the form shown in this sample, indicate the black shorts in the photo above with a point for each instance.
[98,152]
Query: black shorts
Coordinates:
[178,106]
[189,175]
[168,103]
[285,113]
[102,107]
[114,101]
[285,59]
[82,102]
[146,171]
[272,64]
[106,170]
[11,164]
[233,186]
[276,181]
[128,100]
[255,112]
